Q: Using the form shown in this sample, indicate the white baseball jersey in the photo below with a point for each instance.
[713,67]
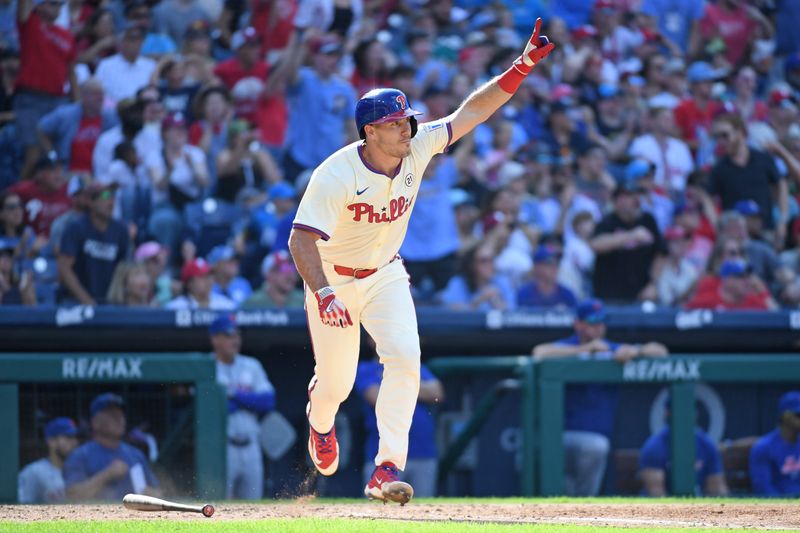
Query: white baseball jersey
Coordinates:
[244,374]
[361,214]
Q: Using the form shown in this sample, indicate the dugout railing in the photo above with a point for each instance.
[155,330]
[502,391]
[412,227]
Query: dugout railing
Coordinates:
[542,410]
[198,370]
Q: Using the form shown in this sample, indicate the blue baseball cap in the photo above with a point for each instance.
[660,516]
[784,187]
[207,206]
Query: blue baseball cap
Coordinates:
[746,208]
[8,243]
[733,267]
[60,426]
[281,191]
[104,401]
[638,168]
[607,90]
[544,253]
[789,402]
[591,310]
[702,71]
[223,252]
[792,62]
[223,324]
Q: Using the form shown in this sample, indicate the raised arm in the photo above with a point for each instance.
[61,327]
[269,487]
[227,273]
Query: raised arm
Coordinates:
[485,100]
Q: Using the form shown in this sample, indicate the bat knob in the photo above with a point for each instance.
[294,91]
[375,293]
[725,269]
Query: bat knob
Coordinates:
[208,510]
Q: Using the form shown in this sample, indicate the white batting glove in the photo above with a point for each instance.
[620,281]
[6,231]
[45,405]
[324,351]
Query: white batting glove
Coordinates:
[332,310]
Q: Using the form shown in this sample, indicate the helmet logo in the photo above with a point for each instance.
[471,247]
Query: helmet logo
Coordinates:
[401,99]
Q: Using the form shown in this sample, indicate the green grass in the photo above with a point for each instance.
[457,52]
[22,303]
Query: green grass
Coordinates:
[556,499]
[310,525]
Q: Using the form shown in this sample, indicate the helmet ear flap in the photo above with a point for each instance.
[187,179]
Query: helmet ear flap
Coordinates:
[362,133]
[413,121]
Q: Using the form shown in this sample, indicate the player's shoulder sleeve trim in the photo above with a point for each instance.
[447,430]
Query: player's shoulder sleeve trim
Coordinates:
[449,136]
[311,229]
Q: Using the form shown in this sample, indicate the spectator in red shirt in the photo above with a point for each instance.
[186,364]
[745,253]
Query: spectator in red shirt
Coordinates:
[274,22]
[734,21]
[45,196]
[256,89]
[737,289]
[47,55]
[695,113]
[72,129]
[744,99]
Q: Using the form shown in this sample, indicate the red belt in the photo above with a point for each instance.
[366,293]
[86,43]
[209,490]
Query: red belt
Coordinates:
[358,273]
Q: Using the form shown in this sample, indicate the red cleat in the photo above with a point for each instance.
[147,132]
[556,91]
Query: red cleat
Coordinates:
[384,485]
[324,451]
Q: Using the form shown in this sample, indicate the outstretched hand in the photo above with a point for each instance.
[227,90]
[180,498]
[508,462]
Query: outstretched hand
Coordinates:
[538,47]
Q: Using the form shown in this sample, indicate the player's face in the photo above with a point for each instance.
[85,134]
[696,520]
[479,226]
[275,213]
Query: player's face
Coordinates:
[110,422]
[394,138]
[64,445]
[588,331]
[200,286]
[226,345]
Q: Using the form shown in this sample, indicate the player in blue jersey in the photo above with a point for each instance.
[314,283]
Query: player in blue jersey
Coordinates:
[775,457]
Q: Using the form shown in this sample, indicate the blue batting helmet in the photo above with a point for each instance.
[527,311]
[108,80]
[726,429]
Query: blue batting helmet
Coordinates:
[383,105]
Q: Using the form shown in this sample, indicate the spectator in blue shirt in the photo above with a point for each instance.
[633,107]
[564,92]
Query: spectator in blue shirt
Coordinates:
[106,468]
[431,243]
[544,290]
[589,409]
[322,106]
[91,248]
[422,464]
[675,19]
[477,286]
[225,269]
[655,464]
[775,457]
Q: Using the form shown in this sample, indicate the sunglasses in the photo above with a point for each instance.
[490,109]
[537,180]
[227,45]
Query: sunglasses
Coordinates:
[13,205]
[483,259]
[104,195]
[720,135]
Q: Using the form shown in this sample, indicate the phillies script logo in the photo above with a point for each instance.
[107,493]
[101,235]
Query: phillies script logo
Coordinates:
[401,100]
[397,208]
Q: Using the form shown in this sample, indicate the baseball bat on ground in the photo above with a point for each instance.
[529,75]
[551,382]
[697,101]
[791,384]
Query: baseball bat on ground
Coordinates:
[140,502]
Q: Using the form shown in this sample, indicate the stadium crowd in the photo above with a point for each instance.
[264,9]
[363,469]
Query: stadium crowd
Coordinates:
[154,153]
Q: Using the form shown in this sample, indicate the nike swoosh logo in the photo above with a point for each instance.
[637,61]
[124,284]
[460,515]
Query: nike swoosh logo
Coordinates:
[362,191]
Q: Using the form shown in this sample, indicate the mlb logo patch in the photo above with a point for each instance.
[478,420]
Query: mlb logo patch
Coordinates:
[431,127]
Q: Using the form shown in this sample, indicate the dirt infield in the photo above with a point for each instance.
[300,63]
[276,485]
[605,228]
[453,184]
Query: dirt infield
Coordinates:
[724,515]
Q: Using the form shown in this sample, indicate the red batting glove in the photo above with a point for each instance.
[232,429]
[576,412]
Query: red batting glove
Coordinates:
[536,49]
[332,310]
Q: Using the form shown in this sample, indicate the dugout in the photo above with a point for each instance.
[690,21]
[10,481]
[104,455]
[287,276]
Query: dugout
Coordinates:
[175,393]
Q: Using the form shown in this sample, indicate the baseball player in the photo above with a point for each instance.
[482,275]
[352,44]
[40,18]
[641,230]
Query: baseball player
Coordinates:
[250,395]
[344,241]
[42,481]
[775,457]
